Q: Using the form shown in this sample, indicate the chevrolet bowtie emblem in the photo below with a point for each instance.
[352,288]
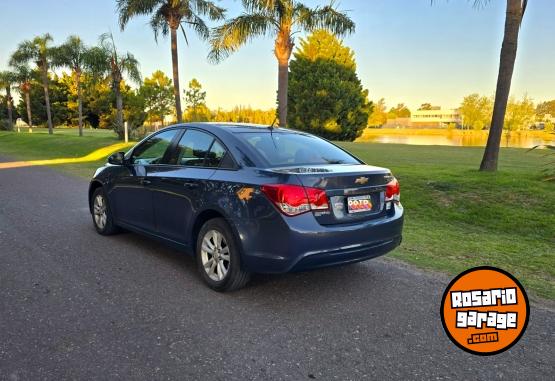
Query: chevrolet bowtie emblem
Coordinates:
[361,180]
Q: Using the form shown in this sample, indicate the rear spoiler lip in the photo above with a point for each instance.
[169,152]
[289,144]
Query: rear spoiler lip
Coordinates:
[322,170]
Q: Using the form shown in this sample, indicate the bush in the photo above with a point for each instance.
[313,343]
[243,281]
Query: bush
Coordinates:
[5,125]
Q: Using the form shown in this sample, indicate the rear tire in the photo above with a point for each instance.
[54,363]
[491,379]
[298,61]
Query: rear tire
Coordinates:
[101,213]
[218,257]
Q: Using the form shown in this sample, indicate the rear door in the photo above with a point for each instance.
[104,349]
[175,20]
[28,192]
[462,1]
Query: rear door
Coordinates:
[179,189]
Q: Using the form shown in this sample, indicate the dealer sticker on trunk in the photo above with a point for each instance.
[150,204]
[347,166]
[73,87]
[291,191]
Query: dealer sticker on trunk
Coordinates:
[357,204]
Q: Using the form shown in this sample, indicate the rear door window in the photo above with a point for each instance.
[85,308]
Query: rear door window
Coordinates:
[193,148]
[285,148]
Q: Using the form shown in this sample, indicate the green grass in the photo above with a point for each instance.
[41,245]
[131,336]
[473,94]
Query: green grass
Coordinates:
[456,216]
[64,143]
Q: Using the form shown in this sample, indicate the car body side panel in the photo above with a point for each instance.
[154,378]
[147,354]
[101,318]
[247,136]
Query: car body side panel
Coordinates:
[178,194]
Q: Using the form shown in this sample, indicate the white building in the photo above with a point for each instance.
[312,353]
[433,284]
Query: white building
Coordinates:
[436,117]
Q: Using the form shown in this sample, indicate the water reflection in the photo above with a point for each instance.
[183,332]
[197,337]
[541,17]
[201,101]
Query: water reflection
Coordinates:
[515,139]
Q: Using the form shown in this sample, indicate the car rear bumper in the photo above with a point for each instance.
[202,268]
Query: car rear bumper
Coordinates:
[283,244]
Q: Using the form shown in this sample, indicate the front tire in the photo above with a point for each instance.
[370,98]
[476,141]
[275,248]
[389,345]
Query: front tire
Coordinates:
[218,257]
[101,213]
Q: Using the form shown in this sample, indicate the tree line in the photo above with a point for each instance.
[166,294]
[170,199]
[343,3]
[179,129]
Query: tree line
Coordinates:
[278,19]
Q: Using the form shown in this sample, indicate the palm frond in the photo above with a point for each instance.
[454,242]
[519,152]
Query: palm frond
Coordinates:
[229,37]
[97,62]
[130,66]
[209,8]
[261,6]
[26,51]
[127,9]
[199,26]
[327,18]
[159,24]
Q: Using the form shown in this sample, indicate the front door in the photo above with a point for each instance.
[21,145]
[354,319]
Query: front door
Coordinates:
[131,192]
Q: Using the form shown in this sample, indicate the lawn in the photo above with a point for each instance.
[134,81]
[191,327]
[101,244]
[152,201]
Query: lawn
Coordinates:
[456,217]
[65,143]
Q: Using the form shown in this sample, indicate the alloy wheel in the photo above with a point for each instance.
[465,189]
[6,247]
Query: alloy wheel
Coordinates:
[100,213]
[215,255]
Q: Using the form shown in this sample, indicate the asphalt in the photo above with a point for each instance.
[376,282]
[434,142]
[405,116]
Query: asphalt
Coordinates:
[76,305]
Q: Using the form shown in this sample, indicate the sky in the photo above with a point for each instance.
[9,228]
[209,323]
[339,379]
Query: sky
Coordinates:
[410,51]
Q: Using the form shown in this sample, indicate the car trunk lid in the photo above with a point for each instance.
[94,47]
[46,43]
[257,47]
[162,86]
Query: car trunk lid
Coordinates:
[355,192]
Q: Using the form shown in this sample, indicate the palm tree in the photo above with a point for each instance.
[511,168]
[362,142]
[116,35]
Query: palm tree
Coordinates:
[280,19]
[23,76]
[7,80]
[513,19]
[105,60]
[168,16]
[38,51]
[72,54]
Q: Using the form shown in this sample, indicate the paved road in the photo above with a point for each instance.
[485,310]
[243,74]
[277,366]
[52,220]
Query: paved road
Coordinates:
[75,305]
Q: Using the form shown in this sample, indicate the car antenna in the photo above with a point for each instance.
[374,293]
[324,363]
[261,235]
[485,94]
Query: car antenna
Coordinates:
[271,126]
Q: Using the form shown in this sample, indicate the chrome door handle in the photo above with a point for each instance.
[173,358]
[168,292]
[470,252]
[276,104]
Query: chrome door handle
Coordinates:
[145,182]
[190,185]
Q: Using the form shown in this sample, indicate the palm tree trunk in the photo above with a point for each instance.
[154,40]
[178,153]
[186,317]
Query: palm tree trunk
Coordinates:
[283,87]
[119,109]
[513,19]
[47,98]
[29,116]
[79,102]
[10,105]
[175,67]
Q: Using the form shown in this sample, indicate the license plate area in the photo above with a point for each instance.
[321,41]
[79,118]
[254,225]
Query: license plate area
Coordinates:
[361,204]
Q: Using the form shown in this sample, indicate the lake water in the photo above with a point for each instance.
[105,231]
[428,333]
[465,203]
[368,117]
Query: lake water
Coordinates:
[515,140]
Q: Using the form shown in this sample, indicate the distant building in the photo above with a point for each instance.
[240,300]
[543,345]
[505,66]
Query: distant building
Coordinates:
[435,118]
[397,123]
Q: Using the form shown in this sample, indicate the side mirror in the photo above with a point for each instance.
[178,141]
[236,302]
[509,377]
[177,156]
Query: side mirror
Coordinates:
[117,158]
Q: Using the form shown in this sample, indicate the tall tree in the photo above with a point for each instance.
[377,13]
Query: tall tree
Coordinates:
[23,76]
[520,114]
[38,51]
[195,98]
[279,19]
[7,81]
[547,107]
[166,17]
[326,96]
[72,54]
[513,19]
[105,60]
[476,111]
[378,117]
[157,92]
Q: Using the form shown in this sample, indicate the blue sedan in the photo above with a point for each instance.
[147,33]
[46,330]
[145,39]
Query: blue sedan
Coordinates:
[249,199]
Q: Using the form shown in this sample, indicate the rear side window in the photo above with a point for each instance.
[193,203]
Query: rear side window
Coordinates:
[218,157]
[192,148]
[284,149]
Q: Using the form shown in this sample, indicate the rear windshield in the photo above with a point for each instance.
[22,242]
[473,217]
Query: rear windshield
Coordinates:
[285,149]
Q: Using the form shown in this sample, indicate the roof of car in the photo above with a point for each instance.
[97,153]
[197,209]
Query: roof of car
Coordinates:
[234,127]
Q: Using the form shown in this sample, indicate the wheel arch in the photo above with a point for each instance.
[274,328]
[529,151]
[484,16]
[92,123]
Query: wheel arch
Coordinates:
[203,217]
[94,185]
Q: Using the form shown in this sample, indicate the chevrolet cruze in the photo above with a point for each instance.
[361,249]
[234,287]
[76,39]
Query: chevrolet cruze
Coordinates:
[249,199]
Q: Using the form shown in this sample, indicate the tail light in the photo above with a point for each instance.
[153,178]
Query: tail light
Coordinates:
[393,191]
[293,200]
